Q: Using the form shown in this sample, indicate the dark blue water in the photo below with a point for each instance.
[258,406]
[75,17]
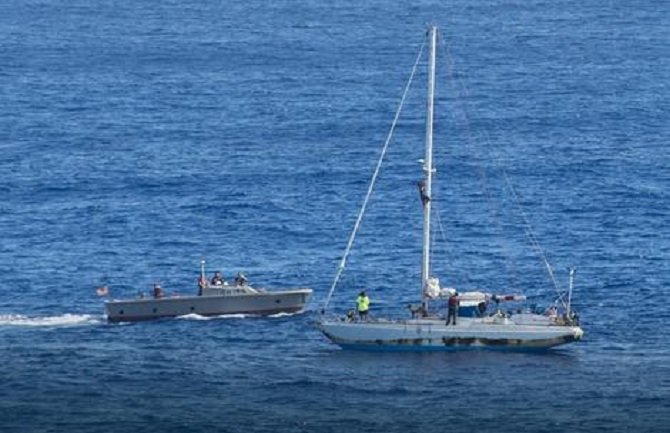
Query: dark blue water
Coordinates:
[138,137]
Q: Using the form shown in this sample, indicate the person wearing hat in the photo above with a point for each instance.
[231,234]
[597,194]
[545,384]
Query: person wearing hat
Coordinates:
[363,305]
[453,304]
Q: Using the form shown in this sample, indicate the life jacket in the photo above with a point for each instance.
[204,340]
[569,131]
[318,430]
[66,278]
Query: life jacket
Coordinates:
[363,303]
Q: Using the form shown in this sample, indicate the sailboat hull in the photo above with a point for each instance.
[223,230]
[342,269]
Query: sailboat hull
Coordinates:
[434,335]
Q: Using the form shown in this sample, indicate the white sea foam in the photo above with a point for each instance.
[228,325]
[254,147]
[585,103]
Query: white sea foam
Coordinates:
[193,316]
[53,321]
[232,316]
[285,314]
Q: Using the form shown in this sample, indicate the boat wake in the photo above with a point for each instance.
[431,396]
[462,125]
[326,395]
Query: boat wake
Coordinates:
[193,316]
[50,321]
[278,315]
[223,316]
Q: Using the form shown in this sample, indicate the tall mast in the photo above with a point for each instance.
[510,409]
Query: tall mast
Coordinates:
[428,166]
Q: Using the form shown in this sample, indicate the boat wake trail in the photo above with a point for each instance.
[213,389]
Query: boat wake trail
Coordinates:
[50,321]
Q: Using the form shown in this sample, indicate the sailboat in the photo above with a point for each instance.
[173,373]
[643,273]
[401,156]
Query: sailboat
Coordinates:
[527,330]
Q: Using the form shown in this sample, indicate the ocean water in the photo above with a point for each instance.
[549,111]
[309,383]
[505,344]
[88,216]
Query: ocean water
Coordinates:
[139,137]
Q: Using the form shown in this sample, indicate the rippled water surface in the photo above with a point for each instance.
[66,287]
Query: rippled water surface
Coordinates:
[139,137]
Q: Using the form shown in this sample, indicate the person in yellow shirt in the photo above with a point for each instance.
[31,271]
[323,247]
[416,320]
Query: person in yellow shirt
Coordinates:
[363,305]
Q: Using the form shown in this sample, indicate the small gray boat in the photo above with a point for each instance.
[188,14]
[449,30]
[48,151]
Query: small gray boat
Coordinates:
[212,300]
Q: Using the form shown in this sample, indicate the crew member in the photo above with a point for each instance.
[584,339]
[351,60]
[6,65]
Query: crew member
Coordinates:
[158,291]
[202,284]
[240,279]
[363,305]
[453,304]
[217,279]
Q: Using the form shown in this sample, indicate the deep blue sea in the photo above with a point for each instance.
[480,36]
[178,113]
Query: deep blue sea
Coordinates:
[138,137]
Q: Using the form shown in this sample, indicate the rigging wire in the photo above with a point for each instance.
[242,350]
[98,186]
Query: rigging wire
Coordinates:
[483,178]
[528,231]
[531,236]
[443,237]
[359,218]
